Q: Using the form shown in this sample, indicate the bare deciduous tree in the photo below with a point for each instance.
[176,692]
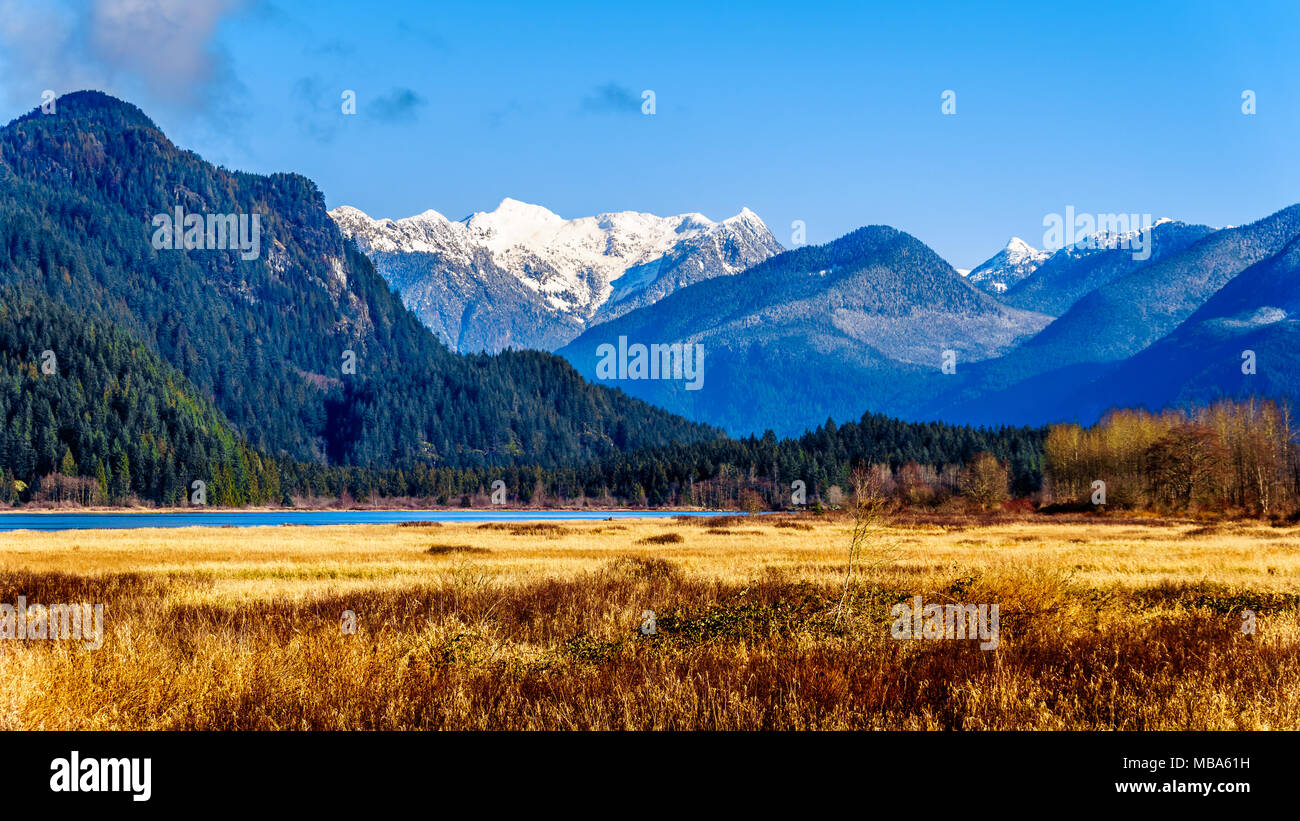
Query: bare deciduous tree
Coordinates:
[984,481]
[871,509]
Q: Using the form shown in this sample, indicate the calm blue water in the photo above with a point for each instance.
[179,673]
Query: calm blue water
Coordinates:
[258,518]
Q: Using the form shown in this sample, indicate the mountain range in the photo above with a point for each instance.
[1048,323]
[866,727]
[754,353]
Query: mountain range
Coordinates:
[876,320]
[523,277]
[667,329]
[303,349]
[1243,341]
[863,323]
[816,332]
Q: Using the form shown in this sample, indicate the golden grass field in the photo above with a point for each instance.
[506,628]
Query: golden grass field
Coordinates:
[1106,624]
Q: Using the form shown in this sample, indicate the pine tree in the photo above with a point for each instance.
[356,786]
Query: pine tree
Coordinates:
[68,465]
[121,479]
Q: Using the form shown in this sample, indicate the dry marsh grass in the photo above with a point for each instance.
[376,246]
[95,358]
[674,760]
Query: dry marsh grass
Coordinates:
[1104,625]
[663,538]
[442,549]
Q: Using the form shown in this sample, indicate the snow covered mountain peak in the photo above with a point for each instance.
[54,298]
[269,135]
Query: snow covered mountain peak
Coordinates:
[745,215]
[572,268]
[1018,248]
[513,223]
[1109,240]
[1013,263]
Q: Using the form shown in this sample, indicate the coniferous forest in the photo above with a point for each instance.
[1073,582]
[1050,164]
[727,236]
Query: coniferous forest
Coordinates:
[110,421]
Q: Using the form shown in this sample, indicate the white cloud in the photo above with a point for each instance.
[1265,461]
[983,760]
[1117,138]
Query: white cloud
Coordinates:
[165,48]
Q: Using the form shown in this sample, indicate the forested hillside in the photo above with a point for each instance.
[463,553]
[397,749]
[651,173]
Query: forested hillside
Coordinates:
[90,415]
[267,339]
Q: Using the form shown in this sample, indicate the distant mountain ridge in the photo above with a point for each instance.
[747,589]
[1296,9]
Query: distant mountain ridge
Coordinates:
[1075,368]
[523,277]
[815,332]
[875,321]
[1072,273]
[1125,315]
[1244,341]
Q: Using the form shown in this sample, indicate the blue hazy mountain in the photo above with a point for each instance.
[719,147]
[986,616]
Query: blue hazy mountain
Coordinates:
[1072,273]
[1244,341]
[860,324]
[857,324]
[1069,371]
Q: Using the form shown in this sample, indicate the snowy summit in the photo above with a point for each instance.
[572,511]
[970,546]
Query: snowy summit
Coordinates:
[555,270]
[1004,269]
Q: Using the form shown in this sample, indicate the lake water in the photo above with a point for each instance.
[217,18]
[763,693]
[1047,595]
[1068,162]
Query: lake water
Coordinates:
[262,518]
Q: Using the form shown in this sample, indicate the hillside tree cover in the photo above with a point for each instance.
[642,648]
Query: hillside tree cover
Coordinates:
[267,339]
[109,420]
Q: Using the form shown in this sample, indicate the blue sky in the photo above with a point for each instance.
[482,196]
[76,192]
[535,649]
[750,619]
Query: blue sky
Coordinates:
[825,113]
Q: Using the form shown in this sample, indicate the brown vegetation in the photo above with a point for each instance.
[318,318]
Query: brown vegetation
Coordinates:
[1232,457]
[664,538]
[441,549]
[1107,624]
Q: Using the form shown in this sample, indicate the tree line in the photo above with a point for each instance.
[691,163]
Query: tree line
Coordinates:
[100,419]
[104,420]
[1231,456]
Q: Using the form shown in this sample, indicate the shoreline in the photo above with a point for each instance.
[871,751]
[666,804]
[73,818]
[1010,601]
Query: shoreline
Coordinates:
[200,510]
